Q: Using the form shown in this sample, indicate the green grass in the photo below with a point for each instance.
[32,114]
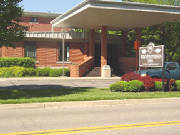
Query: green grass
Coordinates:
[16,96]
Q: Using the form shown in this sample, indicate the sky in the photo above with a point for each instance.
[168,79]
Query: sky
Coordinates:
[52,6]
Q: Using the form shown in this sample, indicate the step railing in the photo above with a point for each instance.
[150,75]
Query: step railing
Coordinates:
[78,70]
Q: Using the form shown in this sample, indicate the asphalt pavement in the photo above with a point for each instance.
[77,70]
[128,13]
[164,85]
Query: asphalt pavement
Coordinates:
[56,82]
[122,117]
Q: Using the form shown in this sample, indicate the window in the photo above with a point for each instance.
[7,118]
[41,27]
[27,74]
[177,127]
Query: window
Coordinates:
[33,20]
[30,49]
[171,66]
[66,52]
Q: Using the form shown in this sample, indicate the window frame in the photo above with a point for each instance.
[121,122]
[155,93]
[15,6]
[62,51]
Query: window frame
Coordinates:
[27,46]
[171,66]
[66,53]
[32,20]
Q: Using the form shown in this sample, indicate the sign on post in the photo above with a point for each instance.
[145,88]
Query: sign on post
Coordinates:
[151,56]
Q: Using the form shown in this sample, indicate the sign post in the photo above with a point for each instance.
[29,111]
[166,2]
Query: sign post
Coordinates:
[136,47]
[152,56]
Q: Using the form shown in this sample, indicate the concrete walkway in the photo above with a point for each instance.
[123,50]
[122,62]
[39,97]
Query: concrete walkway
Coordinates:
[56,82]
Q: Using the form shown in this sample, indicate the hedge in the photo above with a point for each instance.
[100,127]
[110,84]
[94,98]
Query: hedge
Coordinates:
[13,61]
[178,84]
[158,85]
[131,86]
[137,86]
[25,72]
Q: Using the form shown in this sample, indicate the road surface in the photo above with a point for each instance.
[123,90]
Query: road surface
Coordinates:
[143,117]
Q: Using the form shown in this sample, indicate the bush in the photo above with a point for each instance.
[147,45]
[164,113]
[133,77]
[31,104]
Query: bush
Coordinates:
[42,71]
[118,86]
[58,72]
[158,85]
[22,72]
[12,72]
[30,72]
[22,62]
[55,72]
[178,84]
[131,86]
[130,76]
[147,80]
[135,85]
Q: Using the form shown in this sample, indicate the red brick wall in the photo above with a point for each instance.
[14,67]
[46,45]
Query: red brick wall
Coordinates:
[77,52]
[13,52]
[78,70]
[47,53]
[42,26]
[41,20]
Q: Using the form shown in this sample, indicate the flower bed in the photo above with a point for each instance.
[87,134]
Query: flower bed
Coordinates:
[148,83]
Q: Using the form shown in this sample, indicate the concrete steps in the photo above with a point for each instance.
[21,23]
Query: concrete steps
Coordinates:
[96,71]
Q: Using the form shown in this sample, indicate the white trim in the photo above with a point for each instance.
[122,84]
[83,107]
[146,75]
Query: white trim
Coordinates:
[109,4]
[70,15]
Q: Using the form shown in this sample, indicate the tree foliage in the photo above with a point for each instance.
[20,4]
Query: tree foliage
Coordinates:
[165,2]
[162,34]
[10,16]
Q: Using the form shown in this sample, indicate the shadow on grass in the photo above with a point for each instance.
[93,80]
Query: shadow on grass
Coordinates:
[34,91]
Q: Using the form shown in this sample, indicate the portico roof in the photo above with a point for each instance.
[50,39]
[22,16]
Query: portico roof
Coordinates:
[114,14]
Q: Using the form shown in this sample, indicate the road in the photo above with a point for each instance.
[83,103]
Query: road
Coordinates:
[93,82]
[142,117]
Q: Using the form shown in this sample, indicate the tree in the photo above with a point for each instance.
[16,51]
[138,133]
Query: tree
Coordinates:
[165,2]
[10,16]
[163,34]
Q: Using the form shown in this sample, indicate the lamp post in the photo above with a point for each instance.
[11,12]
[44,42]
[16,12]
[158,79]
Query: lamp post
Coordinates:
[63,37]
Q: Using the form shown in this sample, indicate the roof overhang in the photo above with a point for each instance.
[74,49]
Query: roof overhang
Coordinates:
[41,14]
[113,14]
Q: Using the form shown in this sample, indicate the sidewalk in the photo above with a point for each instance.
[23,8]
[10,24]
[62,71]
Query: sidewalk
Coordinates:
[86,103]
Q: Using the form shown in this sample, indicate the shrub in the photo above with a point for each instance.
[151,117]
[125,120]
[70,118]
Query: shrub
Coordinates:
[58,72]
[21,72]
[30,72]
[135,85]
[13,61]
[148,82]
[130,76]
[169,84]
[118,86]
[42,71]
[158,85]
[131,86]
[55,72]
[18,71]
[11,72]
[177,84]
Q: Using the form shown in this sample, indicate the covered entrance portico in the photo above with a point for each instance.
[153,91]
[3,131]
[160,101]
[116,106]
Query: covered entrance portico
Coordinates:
[106,15]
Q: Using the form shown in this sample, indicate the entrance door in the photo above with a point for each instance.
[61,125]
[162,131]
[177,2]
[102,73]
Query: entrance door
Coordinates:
[97,55]
[112,58]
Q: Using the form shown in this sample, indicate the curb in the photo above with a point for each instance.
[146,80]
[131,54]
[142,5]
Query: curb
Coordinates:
[85,103]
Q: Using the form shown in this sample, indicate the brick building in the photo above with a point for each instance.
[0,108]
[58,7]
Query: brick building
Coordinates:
[89,48]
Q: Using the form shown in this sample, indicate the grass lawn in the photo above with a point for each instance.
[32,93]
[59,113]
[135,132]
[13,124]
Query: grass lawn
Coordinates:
[15,96]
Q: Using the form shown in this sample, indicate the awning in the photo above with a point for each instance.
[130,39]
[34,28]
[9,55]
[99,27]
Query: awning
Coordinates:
[113,14]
